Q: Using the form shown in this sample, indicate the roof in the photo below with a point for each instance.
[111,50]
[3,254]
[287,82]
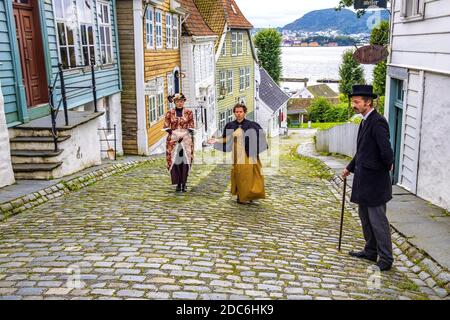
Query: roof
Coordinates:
[195,25]
[234,15]
[322,90]
[270,93]
[299,103]
[213,14]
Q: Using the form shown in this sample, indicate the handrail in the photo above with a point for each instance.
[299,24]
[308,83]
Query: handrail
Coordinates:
[54,111]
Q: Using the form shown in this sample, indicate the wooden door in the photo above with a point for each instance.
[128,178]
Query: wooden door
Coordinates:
[26,17]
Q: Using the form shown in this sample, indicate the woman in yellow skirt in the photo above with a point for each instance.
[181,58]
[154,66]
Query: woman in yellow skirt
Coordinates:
[246,140]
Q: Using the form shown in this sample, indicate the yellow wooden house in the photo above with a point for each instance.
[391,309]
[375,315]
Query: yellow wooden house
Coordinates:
[149,42]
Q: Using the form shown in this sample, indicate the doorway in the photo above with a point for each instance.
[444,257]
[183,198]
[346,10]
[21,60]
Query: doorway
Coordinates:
[29,41]
[397,125]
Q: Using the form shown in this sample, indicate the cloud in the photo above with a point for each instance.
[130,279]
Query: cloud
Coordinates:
[269,13]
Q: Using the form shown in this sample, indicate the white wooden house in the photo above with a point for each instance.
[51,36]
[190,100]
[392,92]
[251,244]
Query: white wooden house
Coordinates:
[271,105]
[198,67]
[417,99]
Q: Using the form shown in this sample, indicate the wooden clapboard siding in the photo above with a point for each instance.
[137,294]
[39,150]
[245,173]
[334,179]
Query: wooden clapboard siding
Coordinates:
[125,25]
[229,62]
[157,63]
[8,79]
[423,43]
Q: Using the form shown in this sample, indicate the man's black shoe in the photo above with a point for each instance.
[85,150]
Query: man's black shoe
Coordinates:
[384,266]
[183,188]
[362,255]
[178,189]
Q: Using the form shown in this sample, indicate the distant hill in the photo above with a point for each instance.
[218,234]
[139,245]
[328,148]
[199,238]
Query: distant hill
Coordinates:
[344,21]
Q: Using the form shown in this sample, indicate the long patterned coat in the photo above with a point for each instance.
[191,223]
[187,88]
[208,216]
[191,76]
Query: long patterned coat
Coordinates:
[179,127]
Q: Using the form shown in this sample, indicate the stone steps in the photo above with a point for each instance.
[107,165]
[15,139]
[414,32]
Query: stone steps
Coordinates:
[35,171]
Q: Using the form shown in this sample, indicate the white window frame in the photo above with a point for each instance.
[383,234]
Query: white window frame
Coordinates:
[65,21]
[240,43]
[158,29]
[150,28]
[222,81]
[248,71]
[168,31]
[418,7]
[241,79]
[170,88]
[80,4]
[176,31]
[230,74]
[234,44]
[222,121]
[106,26]
[223,52]
[160,97]
[229,116]
[152,113]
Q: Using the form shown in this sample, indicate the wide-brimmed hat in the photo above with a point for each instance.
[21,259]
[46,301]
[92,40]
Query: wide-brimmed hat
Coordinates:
[363,90]
[178,96]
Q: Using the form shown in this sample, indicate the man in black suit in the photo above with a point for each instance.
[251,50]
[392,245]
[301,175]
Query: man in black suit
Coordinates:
[372,187]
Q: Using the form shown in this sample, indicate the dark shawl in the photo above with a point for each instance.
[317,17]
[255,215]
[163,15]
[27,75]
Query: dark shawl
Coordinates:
[255,138]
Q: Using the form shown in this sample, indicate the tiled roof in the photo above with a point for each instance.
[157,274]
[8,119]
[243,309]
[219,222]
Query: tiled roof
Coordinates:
[322,90]
[270,93]
[213,14]
[194,25]
[235,18]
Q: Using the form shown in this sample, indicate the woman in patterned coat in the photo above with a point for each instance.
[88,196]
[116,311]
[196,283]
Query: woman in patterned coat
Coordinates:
[179,124]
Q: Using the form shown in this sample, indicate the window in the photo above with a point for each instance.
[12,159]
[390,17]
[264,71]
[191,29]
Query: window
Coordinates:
[230,81]
[65,21]
[249,50]
[242,100]
[229,115]
[247,77]
[222,122]
[233,43]
[86,20]
[160,97]
[152,109]
[176,38]
[158,19]
[223,52]
[241,79]
[240,43]
[104,21]
[150,28]
[168,31]
[412,8]
[170,90]
[222,82]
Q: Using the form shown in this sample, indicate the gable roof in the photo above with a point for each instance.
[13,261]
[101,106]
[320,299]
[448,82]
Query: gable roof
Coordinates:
[270,93]
[234,16]
[213,14]
[322,90]
[194,25]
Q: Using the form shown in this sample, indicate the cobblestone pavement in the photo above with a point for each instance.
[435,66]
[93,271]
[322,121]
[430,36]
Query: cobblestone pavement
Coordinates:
[130,237]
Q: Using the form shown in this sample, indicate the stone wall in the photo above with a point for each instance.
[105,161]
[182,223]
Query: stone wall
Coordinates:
[6,172]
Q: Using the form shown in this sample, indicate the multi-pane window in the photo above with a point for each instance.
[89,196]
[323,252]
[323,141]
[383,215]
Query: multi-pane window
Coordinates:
[152,109]
[86,20]
[222,82]
[168,31]
[241,79]
[150,28]
[176,37]
[65,21]
[170,89]
[160,96]
[247,77]
[229,115]
[222,121]
[104,21]
[158,19]
[223,52]
[240,43]
[412,8]
[230,81]
[234,43]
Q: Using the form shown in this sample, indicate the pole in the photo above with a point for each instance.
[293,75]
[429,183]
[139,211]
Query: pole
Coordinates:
[342,213]
[63,93]
[94,89]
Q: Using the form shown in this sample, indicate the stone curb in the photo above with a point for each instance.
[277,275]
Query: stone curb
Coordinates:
[429,271]
[13,207]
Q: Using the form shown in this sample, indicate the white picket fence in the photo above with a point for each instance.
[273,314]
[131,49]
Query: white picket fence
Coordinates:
[339,139]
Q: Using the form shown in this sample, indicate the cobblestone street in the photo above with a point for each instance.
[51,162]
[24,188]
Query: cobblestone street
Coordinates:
[131,236]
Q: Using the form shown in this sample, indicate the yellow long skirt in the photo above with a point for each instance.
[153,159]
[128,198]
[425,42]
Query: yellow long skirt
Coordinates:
[247,181]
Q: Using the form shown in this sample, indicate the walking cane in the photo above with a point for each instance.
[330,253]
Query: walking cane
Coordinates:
[342,213]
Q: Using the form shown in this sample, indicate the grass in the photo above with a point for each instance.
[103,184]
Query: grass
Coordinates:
[318,125]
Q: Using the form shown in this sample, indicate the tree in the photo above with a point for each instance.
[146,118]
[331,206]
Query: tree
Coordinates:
[268,43]
[318,109]
[380,36]
[350,73]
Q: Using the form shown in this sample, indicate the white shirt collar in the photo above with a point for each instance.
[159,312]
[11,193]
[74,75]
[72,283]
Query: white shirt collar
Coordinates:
[367,115]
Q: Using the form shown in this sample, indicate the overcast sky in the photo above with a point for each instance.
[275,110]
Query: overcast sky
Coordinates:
[278,13]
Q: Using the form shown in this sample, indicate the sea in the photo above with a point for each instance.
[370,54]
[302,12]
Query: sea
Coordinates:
[315,63]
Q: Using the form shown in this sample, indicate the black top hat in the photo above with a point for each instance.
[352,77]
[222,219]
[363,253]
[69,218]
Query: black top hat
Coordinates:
[363,90]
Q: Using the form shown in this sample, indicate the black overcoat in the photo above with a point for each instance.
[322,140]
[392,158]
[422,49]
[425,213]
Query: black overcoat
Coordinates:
[372,163]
